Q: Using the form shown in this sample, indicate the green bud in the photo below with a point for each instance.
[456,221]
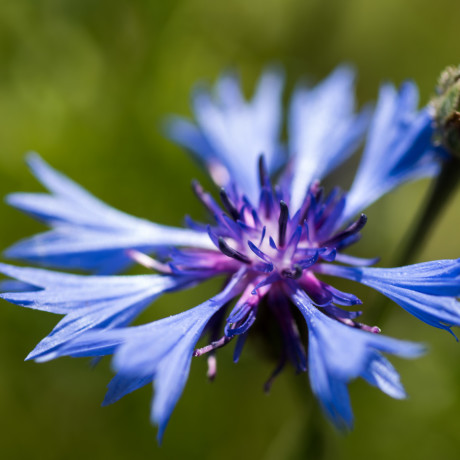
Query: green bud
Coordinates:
[446,104]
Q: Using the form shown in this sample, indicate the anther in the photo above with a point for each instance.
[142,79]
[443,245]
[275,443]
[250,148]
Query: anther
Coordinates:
[205,198]
[263,174]
[230,252]
[282,223]
[228,205]
[354,228]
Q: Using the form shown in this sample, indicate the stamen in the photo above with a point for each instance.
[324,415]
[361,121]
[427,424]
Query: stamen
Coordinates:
[264,267]
[212,346]
[270,279]
[305,263]
[343,298]
[230,252]
[205,198]
[238,313]
[242,326]
[282,223]
[329,254]
[258,252]
[255,216]
[228,205]
[307,231]
[263,173]
[354,228]
[351,260]
[266,202]
[330,217]
[304,210]
[147,261]
[268,384]
[231,225]
[190,223]
[319,193]
[240,341]
[350,240]
[293,242]
[212,367]
[336,312]
[214,238]
[364,327]
[292,341]
[264,230]
[245,227]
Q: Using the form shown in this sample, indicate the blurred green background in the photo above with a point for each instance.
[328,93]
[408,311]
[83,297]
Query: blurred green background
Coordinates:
[87,84]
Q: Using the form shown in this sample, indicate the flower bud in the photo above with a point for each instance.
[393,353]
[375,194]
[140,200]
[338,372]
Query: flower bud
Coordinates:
[446,104]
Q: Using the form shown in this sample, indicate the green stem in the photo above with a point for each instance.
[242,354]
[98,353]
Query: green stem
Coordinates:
[439,195]
[441,192]
[314,443]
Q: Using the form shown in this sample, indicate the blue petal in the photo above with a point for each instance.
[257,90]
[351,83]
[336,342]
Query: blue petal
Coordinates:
[87,233]
[233,133]
[159,351]
[189,136]
[339,353]
[87,301]
[121,386]
[427,290]
[324,130]
[398,148]
[383,375]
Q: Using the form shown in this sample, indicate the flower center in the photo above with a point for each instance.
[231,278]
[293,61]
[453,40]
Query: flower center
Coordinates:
[269,240]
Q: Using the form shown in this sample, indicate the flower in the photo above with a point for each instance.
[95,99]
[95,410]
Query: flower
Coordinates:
[272,244]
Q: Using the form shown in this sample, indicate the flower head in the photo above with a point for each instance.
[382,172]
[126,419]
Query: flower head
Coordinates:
[272,243]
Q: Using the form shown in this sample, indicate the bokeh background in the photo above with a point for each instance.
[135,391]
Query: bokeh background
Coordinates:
[87,84]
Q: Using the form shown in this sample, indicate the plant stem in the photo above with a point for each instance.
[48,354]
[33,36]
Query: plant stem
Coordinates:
[439,196]
[441,192]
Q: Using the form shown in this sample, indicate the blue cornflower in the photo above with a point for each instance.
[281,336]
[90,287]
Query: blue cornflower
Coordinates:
[272,244]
